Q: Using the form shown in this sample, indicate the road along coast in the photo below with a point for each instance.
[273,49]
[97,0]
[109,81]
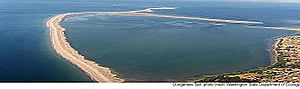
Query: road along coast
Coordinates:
[96,72]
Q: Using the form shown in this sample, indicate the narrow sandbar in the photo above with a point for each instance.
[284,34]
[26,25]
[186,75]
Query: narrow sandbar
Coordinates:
[96,72]
[277,28]
[64,49]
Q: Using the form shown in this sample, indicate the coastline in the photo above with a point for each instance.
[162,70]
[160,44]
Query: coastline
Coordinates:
[277,28]
[95,71]
[281,65]
[274,52]
[64,49]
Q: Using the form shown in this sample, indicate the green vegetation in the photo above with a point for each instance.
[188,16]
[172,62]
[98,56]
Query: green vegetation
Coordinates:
[224,78]
[281,63]
[285,69]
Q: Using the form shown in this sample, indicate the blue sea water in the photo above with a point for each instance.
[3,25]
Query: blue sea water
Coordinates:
[139,48]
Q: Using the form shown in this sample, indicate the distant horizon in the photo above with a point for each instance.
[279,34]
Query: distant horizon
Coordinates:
[266,1]
[151,41]
[278,1]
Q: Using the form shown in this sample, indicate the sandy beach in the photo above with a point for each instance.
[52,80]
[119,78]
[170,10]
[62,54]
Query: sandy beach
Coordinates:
[96,72]
[64,49]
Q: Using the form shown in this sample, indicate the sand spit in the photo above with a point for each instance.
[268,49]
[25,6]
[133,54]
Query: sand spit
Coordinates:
[196,18]
[134,13]
[63,48]
[276,28]
[151,9]
[96,72]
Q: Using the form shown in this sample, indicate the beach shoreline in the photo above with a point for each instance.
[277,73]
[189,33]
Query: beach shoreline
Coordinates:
[274,52]
[62,47]
[96,72]
[264,74]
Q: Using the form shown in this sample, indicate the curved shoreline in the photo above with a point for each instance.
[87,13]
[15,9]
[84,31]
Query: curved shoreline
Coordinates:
[64,49]
[284,72]
[96,72]
[274,52]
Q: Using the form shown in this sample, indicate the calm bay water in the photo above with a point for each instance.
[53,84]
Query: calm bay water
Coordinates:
[158,49]
[138,48]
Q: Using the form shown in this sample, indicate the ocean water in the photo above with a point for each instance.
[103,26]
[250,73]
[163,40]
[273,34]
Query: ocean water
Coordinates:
[139,48]
[161,49]
[25,50]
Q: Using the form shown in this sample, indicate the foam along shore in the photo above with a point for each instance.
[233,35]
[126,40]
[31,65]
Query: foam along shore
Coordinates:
[96,72]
